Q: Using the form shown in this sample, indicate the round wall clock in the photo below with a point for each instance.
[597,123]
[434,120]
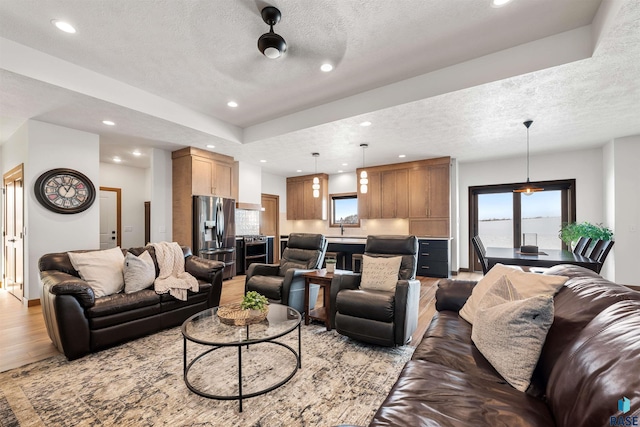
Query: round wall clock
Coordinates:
[65,191]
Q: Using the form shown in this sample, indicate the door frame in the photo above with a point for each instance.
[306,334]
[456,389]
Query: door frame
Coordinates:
[118,192]
[276,238]
[16,173]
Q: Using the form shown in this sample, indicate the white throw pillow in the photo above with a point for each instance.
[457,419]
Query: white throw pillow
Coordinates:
[380,273]
[139,272]
[510,331]
[527,285]
[102,270]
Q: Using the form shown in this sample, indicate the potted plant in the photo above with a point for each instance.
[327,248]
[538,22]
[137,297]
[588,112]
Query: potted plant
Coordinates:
[254,301]
[253,309]
[331,265]
[571,232]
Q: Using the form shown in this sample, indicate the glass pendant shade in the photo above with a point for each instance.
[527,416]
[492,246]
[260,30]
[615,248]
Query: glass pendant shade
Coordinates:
[316,181]
[364,179]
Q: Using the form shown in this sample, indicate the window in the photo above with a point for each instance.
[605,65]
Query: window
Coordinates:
[500,216]
[344,210]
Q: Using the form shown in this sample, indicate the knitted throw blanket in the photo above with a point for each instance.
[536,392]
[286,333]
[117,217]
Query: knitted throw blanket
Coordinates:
[172,277]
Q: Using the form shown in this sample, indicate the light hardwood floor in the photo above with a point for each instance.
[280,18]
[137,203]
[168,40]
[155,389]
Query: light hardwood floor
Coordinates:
[24,338]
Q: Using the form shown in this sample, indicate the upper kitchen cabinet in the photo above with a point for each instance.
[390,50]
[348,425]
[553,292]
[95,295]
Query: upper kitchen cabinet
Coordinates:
[300,201]
[202,172]
[196,172]
[419,191]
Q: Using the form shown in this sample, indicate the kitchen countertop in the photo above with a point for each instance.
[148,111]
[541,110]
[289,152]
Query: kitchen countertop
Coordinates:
[359,240]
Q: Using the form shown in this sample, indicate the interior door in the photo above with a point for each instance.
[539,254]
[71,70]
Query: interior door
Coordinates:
[109,218]
[13,232]
[269,221]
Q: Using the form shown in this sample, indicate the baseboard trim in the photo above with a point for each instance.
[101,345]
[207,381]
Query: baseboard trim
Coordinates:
[33,302]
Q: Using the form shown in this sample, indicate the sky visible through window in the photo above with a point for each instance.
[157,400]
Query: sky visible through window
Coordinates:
[500,205]
[345,208]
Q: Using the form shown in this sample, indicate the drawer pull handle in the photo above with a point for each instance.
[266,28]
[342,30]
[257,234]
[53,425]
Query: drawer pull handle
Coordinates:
[426,267]
[425,253]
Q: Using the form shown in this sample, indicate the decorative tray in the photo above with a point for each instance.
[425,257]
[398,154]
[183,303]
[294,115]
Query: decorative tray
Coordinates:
[232,314]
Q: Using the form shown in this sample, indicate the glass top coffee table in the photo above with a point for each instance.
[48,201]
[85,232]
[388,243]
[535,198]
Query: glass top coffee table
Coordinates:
[206,329]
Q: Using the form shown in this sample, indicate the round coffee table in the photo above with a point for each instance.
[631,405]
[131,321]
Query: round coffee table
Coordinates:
[205,328]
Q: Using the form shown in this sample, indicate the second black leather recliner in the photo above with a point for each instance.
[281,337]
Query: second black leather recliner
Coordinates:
[379,317]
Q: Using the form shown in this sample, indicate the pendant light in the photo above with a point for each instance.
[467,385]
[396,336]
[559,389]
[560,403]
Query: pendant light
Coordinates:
[528,188]
[316,180]
[364,180]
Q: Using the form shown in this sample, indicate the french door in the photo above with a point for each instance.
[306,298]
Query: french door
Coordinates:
[13,233]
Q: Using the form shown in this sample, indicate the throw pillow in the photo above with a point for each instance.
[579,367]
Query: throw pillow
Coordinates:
[380,273]
[527,284]
[510,331]
[102,270]
[139,272]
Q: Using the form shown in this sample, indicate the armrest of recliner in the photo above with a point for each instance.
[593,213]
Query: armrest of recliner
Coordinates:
[340,282]
[453,294]
[257,269]
[407,307]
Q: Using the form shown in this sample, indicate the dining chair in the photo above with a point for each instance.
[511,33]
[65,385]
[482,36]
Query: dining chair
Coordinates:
[600,251]
[582,246]
[481,253]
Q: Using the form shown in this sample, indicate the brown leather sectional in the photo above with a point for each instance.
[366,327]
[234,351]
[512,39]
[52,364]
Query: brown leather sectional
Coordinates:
[590,361]
[79,323]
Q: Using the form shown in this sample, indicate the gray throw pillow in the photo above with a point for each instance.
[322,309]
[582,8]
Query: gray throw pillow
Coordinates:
[510,331]
[139,272]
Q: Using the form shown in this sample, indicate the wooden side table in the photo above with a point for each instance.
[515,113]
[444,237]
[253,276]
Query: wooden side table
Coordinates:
[322,278]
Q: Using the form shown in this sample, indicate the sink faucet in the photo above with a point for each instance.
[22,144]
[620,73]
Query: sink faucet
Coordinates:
[341,228]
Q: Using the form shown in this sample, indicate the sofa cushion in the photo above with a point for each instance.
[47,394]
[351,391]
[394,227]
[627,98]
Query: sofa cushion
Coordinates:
[372,305]
[598,368]
[102,270]
[510,331]
[117,303]
[527,284]
[428,394]
[269,286]
[380,273]
[139,272]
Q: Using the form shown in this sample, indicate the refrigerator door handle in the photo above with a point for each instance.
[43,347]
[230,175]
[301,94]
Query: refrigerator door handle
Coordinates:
[219,223]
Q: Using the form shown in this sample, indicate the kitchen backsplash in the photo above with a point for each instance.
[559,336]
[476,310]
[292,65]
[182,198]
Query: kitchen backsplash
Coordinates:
[247,222]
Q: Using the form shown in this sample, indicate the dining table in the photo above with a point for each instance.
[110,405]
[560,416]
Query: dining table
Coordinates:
[543,258]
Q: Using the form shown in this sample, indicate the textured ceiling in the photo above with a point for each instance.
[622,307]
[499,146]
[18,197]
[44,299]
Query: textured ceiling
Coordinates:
[435,78]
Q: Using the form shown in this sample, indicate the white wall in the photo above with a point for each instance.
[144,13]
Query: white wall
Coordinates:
[160,176]
[132,183]
[626,208]
[249,183]
[585,166]
[50,147]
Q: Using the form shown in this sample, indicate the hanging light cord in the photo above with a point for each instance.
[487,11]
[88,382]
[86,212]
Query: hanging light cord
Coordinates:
[527,154]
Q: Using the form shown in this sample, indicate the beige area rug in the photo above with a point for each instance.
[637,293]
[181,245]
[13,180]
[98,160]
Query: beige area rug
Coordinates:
[140,383]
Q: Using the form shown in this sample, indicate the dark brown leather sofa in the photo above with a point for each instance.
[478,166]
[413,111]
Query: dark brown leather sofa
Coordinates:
[590,361]
[79,323]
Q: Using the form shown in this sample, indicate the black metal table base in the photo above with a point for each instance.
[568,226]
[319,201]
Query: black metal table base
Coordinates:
[240,396]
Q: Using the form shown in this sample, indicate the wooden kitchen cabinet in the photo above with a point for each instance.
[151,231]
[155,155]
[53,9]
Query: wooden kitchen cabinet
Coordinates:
[300,201]
[196,172]
[419,191]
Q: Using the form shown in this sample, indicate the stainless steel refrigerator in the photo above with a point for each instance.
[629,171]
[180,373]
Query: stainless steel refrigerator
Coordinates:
[214,230]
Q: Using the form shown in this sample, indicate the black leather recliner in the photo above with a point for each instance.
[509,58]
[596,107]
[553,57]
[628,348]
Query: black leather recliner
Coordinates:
[283,283]
[379,317]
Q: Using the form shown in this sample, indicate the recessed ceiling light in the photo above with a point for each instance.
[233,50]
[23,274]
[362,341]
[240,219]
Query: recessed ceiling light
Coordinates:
[117,159]
[63,26]
[263,161]
[326,67]
[137,153]
[299,170]
[345,164]
[340,171]
[402,156]
[108,123]
[211,146]
[499,3]
[365,124]
[232,104]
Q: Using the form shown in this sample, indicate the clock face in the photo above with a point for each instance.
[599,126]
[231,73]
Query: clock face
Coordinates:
[64,191]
